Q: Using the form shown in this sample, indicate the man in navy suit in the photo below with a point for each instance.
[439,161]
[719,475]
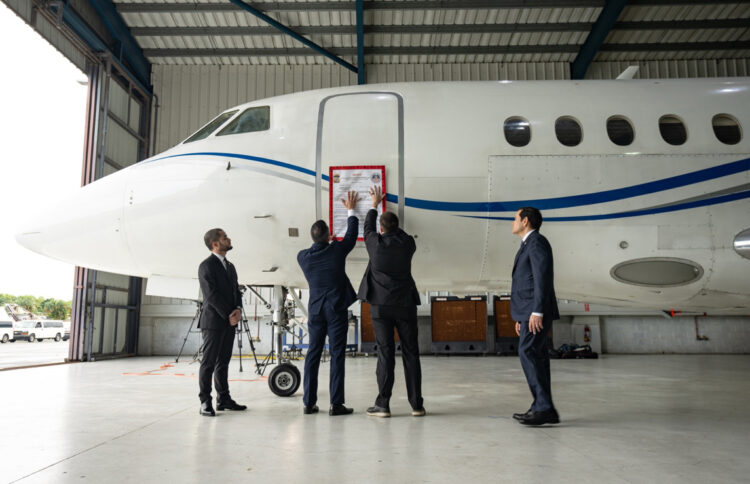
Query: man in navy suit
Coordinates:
[221,311]
[533,306]
[331,293]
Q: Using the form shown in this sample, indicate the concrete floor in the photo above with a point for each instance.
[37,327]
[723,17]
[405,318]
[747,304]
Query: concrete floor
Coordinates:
[624,419]
[22,353]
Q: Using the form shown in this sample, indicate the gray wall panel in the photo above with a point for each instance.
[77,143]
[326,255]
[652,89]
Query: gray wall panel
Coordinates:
[672,69]
[190,96]
[676,335]
[23,8]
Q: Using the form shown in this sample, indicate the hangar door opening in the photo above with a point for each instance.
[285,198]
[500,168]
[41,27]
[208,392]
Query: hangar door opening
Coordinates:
[361,129]
[106,306]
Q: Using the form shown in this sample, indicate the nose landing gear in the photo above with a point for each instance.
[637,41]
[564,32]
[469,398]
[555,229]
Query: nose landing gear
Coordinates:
[285,379]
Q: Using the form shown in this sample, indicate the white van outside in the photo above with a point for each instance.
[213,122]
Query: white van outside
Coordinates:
[6,331]
[38,330]
[6,326]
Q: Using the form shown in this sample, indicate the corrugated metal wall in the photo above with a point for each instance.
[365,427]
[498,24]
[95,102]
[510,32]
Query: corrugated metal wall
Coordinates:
[24,9]
[673,69]
[189,96]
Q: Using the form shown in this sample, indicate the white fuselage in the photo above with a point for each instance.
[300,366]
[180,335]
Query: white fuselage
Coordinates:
[455,182]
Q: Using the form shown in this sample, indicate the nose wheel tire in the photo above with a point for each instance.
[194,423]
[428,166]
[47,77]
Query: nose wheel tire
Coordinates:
[284,380]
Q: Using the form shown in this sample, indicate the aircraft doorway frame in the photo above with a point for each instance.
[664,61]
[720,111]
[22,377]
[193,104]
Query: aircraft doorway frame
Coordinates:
[319,150]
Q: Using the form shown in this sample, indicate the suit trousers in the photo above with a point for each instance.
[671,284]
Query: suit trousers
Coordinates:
[334,324]
[532,350]
[217,353]
[404,319]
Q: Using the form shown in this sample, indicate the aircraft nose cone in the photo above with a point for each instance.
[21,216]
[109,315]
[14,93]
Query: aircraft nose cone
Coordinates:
[29,239]
[84,229]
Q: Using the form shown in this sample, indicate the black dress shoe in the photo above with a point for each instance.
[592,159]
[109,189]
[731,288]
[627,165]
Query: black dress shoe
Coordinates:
[375,411]
[541,418]
[308,410]
[207,410]
[340,409]
[521,416]
[230,405]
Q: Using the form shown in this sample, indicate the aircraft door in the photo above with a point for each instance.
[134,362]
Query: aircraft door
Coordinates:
[363,128]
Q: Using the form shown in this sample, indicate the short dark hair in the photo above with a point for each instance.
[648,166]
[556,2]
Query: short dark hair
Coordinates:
[389,221]
[534,216]
[319,232]
[212,236]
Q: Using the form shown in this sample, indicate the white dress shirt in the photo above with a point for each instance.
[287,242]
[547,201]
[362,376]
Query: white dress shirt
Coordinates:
[222,259]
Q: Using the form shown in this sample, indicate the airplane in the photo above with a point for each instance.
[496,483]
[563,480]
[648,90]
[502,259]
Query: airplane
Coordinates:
[644,186]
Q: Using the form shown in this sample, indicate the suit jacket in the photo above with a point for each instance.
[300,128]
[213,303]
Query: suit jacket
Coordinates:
[533,288]
[221,293]
[387,280]
[324,266]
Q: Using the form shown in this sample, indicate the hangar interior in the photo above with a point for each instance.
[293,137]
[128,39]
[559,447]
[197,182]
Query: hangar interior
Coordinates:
[159,70]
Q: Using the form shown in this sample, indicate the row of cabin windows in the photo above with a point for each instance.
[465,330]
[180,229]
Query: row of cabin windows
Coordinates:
[517,129]
[251,119]
[620,131]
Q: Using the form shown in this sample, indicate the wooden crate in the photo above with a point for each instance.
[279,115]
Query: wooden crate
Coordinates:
[368,332]
[505,327]
[455,320]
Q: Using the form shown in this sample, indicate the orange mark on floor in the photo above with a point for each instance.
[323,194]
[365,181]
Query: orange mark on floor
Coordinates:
[166,366]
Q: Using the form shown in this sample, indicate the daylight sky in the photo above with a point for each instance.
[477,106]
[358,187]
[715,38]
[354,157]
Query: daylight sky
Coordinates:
[42,116]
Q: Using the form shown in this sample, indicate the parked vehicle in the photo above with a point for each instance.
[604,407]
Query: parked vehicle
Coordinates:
[66,330]
[39,330]
[6,326]
[6,331]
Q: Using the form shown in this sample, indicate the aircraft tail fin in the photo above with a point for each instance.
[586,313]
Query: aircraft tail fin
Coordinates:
[628,73]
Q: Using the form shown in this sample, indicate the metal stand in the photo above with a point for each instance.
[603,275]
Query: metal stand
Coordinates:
[196,356]
[242,327]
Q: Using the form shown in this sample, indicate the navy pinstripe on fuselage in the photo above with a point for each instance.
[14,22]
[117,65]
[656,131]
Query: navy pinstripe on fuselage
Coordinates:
[581,200]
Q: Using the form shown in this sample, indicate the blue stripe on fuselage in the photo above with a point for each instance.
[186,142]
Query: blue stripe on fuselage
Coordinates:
[636,213]
[542,203]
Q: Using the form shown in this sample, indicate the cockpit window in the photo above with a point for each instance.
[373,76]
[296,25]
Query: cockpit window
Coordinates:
[252,119]
[210,127]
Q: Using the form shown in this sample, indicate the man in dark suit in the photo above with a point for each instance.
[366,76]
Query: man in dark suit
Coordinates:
[331,293]
[222,306]
[393,297]
[533,306]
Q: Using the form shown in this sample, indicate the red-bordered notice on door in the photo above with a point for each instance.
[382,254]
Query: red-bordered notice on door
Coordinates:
[360,179]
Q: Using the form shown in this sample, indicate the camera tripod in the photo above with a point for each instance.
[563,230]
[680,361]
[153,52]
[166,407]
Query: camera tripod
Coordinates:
[240,329]
[197,317]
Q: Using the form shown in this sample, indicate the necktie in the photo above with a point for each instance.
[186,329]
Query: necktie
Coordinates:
[226,264]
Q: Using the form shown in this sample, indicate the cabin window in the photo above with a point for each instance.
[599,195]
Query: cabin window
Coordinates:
[727,129]
[672,129]
[568,131]
[517,131]
[251,120]
[211,127]
[620,131]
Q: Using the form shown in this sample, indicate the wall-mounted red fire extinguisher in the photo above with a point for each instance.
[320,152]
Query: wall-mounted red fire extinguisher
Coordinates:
[586,334]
